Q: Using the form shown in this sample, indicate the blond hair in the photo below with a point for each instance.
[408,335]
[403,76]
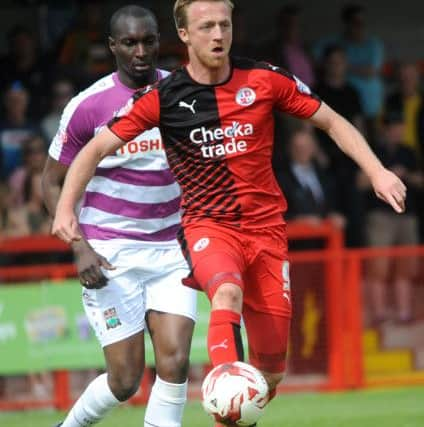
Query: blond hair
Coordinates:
[180,6]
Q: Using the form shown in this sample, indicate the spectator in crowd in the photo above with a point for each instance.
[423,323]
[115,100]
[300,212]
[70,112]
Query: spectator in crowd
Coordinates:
[408,100]
[32,216]
[365,58]
[337,92]
[34,155]
[62,90]
[384,228]
[23,62]
[309,190]
[5,214]
[242,43]
[15,127]
[84,49]
[287,48]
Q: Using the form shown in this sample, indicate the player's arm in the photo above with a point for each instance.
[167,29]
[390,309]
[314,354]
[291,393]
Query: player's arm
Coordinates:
[87,260]
[386,184]
[65,224]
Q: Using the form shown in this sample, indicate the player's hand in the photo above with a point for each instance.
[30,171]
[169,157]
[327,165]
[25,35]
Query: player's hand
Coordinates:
[65,226]
[389,188]
[89,265]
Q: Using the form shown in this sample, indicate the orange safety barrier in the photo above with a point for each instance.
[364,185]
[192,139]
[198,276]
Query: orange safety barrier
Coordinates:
[31,245]
[342,296]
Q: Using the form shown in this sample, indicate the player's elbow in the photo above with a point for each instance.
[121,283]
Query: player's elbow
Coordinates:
[326,118]
[48,181]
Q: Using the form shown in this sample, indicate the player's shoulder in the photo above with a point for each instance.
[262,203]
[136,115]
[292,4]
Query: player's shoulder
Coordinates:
[162,74]
[165,81]
[261,66]
[84,100]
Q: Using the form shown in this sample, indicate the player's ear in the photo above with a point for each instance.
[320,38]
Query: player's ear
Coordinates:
[112,44]
[183,35]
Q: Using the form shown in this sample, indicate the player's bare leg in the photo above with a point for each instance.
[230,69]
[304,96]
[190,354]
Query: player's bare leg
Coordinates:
[171,337]
[125,365]
[124,369]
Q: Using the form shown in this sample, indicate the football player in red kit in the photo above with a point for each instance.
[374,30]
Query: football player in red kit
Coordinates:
[215,115]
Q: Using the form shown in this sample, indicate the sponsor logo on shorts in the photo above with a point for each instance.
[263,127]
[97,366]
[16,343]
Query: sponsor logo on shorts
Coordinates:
[111,318]
[201,244]
[285,272]
[245,96]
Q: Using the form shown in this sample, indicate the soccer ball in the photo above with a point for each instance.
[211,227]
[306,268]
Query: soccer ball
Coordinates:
[235,392]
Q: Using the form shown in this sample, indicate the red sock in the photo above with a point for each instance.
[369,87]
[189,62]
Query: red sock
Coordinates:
[224,338]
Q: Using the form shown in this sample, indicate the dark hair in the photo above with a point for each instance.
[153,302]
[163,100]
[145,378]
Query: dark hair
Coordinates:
[131,10]
[290,9]
[18,30]
[351,10]
[392,117]
[332,48]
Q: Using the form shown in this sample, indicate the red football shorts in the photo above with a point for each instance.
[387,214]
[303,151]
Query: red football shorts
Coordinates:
[257,262]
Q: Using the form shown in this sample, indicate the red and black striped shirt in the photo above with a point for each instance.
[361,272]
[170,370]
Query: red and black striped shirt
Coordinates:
[219,138]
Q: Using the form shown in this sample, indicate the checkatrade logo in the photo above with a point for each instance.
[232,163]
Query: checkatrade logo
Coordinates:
[221,141]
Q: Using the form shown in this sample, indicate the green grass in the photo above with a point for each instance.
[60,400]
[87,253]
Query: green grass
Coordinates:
[371,408]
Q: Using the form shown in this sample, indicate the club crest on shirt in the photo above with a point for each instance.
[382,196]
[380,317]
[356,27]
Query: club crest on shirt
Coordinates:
[201,244]
[245,96]
[111,318]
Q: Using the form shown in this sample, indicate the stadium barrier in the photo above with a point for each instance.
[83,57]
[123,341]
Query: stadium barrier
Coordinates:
[330,347]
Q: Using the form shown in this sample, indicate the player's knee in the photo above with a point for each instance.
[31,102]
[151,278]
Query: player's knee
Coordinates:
[273,379]
[173,366]
[228,297]
[125,384]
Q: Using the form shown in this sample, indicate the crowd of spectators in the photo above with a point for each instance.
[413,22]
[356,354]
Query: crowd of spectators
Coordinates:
[320,182]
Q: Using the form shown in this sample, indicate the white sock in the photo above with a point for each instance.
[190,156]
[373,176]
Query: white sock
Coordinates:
[92,405]
[166,404]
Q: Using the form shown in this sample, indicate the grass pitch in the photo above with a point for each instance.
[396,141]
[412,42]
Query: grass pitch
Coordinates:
[370,408]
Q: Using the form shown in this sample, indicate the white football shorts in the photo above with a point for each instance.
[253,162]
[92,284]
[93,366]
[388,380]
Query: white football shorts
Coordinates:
[144,279]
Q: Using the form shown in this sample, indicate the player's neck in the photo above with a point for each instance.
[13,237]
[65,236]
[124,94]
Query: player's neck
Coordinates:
[133,83]
[206,75]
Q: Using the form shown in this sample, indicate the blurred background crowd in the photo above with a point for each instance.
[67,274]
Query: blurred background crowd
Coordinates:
[45,63]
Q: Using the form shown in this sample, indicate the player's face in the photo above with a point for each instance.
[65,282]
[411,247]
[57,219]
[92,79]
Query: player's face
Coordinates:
[208,34]
[135,47]
[336,64]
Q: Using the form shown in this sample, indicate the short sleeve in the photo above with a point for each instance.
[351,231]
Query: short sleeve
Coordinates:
[74,132]
[291,95]
[141,113]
